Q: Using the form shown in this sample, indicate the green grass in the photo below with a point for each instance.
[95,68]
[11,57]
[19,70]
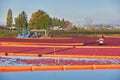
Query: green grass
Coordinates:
[9,33]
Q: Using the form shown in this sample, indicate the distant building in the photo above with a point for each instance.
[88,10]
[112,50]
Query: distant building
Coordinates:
[69,26]
[56,27]
[12,28]
[117,27]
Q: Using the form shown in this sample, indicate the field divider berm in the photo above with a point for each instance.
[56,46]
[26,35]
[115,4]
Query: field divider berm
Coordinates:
[79,56]
[58,67]
[54,45]
[58,55]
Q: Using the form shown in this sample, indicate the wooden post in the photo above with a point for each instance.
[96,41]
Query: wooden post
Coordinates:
[54,53]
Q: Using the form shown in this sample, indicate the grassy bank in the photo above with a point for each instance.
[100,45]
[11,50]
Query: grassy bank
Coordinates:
[9,33]
[68,33]
[85,33]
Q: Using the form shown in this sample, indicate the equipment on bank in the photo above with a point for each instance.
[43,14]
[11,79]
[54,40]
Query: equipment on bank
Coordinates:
[27,33]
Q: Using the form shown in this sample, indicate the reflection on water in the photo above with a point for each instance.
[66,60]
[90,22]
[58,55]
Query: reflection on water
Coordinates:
[63,75]
[39,61]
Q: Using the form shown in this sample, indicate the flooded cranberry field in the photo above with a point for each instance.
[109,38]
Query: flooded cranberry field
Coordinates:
[39,61]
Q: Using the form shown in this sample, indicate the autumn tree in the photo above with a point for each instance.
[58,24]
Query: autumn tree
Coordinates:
[9,18]
[39,20]
[21,20]
[61,23]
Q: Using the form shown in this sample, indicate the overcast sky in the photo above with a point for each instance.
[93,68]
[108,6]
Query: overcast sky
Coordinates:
[76,11]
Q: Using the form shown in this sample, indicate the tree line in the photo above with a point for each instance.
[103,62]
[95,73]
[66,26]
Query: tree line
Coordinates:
[38,20]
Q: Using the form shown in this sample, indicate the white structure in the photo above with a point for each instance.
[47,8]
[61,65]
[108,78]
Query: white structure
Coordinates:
[44,31]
